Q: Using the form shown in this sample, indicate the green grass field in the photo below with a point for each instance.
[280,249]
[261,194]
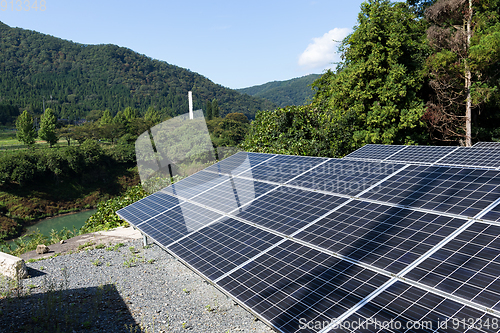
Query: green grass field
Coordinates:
[8,140]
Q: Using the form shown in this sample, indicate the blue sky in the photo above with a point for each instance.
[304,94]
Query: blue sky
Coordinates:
[233,43]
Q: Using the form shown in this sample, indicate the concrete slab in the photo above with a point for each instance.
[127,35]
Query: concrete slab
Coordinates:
[110,237]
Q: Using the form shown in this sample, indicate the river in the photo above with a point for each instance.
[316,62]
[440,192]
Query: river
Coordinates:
[58,223]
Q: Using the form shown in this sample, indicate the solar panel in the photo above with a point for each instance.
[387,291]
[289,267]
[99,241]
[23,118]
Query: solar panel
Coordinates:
[487,145]
[232,194]
[375,152]
[302,240]
[228,242]
[477,157]
[293,283]
[286,210]
[493,215]
[282,168]
[348,177]
[458,191]
[468,266]
[177,222]
[148,207]
[406,308]
[421,154]
[386,237]
[239,162]
[195,184]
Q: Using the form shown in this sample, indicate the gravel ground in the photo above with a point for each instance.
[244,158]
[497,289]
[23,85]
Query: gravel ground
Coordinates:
[121,290]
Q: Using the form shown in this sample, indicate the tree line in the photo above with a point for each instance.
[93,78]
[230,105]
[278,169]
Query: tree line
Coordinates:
[420,72]
[75,79]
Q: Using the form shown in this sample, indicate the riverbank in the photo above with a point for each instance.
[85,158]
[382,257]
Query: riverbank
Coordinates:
[22,206]
[121,289]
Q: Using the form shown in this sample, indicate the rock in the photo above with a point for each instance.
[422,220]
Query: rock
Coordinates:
[13,267]
[41,249]
[62,241]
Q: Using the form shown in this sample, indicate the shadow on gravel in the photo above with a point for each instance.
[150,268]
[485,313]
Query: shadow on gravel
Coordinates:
[35,272]
[56,309]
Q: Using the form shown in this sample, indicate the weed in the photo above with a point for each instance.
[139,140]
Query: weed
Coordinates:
[42,268]
[87,244]
[100,246]
[96,262]
[186,291]
[150,261]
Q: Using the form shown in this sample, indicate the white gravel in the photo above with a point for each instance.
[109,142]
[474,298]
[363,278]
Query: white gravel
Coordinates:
[130,291]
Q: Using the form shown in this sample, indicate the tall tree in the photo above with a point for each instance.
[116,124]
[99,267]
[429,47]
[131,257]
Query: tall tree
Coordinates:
[152,115]
[465,37]
[47,130]
[106,118]
[26,132]
[375,92]
[208,110]
[215,109]
[130,114]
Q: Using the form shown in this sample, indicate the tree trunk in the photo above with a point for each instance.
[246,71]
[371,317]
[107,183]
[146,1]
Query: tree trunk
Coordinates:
[468,83]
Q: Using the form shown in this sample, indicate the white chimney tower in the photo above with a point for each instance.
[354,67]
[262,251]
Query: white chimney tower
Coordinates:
[190,99]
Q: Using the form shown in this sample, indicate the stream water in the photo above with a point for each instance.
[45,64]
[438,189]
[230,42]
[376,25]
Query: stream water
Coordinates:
[58,223]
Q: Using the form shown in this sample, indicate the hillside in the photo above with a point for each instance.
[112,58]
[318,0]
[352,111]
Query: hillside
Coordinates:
[76,78]
[296,91]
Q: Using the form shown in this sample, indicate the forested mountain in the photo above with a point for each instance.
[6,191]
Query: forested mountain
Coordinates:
[75,79]
[290,92]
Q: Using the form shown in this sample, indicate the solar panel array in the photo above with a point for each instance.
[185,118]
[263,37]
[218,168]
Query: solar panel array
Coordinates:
[480,156]
[378,241]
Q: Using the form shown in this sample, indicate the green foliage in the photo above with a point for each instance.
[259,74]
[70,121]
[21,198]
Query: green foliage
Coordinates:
[105,218]
[375,91]
[208,110]
[47,130]
[106,118]
[294,130]
[82,78]
[152,115]
[283,93]
[215,109]
[8,114]
[228,131]
[89,162]
[25,130]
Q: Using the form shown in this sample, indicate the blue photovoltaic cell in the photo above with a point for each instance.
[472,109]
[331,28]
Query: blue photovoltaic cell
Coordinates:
[452,190]
[487,145]
[375,152]
[404,308]
[348,177]
[421,154]
[468,266]
[493,214]
[477,157]
[293,282]
[287,209]
[148,207]
[386,237]
[238,163]
[223,246]
[233,194]
[195,184]
[177,223]
[282,168]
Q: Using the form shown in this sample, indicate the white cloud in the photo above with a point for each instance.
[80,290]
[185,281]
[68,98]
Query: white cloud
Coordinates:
[323,50]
